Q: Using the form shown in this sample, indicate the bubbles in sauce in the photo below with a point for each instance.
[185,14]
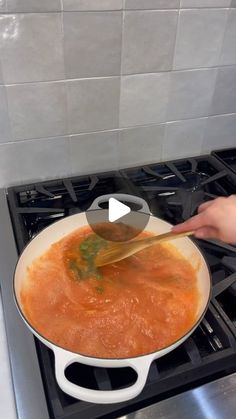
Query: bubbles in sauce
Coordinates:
[129,308]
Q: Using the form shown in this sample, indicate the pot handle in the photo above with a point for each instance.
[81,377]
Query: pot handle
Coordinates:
[121,197]
[63,359]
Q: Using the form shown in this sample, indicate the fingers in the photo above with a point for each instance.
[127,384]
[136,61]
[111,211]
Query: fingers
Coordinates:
[215,219]
[204,206]
[197,222]
[192,224]
[200,232]
[206,233]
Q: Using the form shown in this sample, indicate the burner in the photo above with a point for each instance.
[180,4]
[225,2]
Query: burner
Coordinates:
[227,157]
[36,206]
[188,200]
[173,191]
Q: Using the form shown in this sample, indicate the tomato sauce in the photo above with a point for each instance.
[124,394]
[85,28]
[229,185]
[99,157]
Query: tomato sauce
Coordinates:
[129,308]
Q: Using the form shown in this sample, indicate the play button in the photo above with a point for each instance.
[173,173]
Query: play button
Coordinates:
[118,217]
[117,210]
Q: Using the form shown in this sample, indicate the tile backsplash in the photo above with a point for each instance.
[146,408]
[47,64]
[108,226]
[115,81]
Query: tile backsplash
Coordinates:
[94,85]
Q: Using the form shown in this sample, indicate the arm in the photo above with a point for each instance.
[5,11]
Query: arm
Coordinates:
[216,220]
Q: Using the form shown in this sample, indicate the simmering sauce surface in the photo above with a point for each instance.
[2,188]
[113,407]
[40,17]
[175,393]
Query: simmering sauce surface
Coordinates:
[132,307]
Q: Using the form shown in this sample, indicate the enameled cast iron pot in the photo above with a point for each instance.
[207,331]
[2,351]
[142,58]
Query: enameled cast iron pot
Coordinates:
[141,364]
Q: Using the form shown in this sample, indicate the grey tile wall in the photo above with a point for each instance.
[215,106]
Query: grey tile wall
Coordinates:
[92,44]
[94,151]
[81,5]
[37,110]
[191,93]
[4,121]
[228,56]
[1,78]
[151,4]
[145,141]
[34,160]
[3,6]
[146,31]
[7,153]
[31,47]
[199,37]
[144,99]
[220,132]
[184,138]
[28,6]
[88,85]
[93,104]
[188,4]
[225,91]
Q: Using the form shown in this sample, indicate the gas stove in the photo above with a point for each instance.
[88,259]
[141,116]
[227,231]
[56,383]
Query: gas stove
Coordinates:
[173,191]
[227,157]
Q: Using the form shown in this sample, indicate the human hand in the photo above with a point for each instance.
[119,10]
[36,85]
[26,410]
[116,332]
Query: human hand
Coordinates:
[215,220]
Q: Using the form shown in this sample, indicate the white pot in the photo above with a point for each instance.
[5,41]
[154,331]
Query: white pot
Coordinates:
[141,364]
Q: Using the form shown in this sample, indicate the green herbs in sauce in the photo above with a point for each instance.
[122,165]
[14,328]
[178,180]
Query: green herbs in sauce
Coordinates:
[99,290]
[89,249]
[78,273]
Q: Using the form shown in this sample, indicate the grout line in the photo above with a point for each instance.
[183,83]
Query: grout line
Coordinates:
[63,43]
[64,64]
[58,11]
[112,10]
[205,8]
[175,42]
[182,70]
[172,65]
[218,59]
[212,93]
[29,12]
[81,134]
[121,67]
[66,136]
[176,9]
[92,11]
[225,30]
[204,136]
[61,80]
[163,141]
[121,61]
[8,115]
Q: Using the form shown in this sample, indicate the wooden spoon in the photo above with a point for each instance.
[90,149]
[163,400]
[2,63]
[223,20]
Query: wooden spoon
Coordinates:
[118,251]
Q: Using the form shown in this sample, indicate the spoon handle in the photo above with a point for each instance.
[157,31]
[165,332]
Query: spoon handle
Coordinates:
[150,241]
[167,236]
[117,252]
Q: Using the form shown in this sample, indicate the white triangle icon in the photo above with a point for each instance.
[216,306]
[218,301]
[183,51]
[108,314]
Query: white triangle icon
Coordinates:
[117,210]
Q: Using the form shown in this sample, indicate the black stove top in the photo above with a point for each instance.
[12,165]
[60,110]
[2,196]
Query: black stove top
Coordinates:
[173,191]
[227,157]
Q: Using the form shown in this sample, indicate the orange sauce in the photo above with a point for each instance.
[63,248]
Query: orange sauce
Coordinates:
[138,305]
